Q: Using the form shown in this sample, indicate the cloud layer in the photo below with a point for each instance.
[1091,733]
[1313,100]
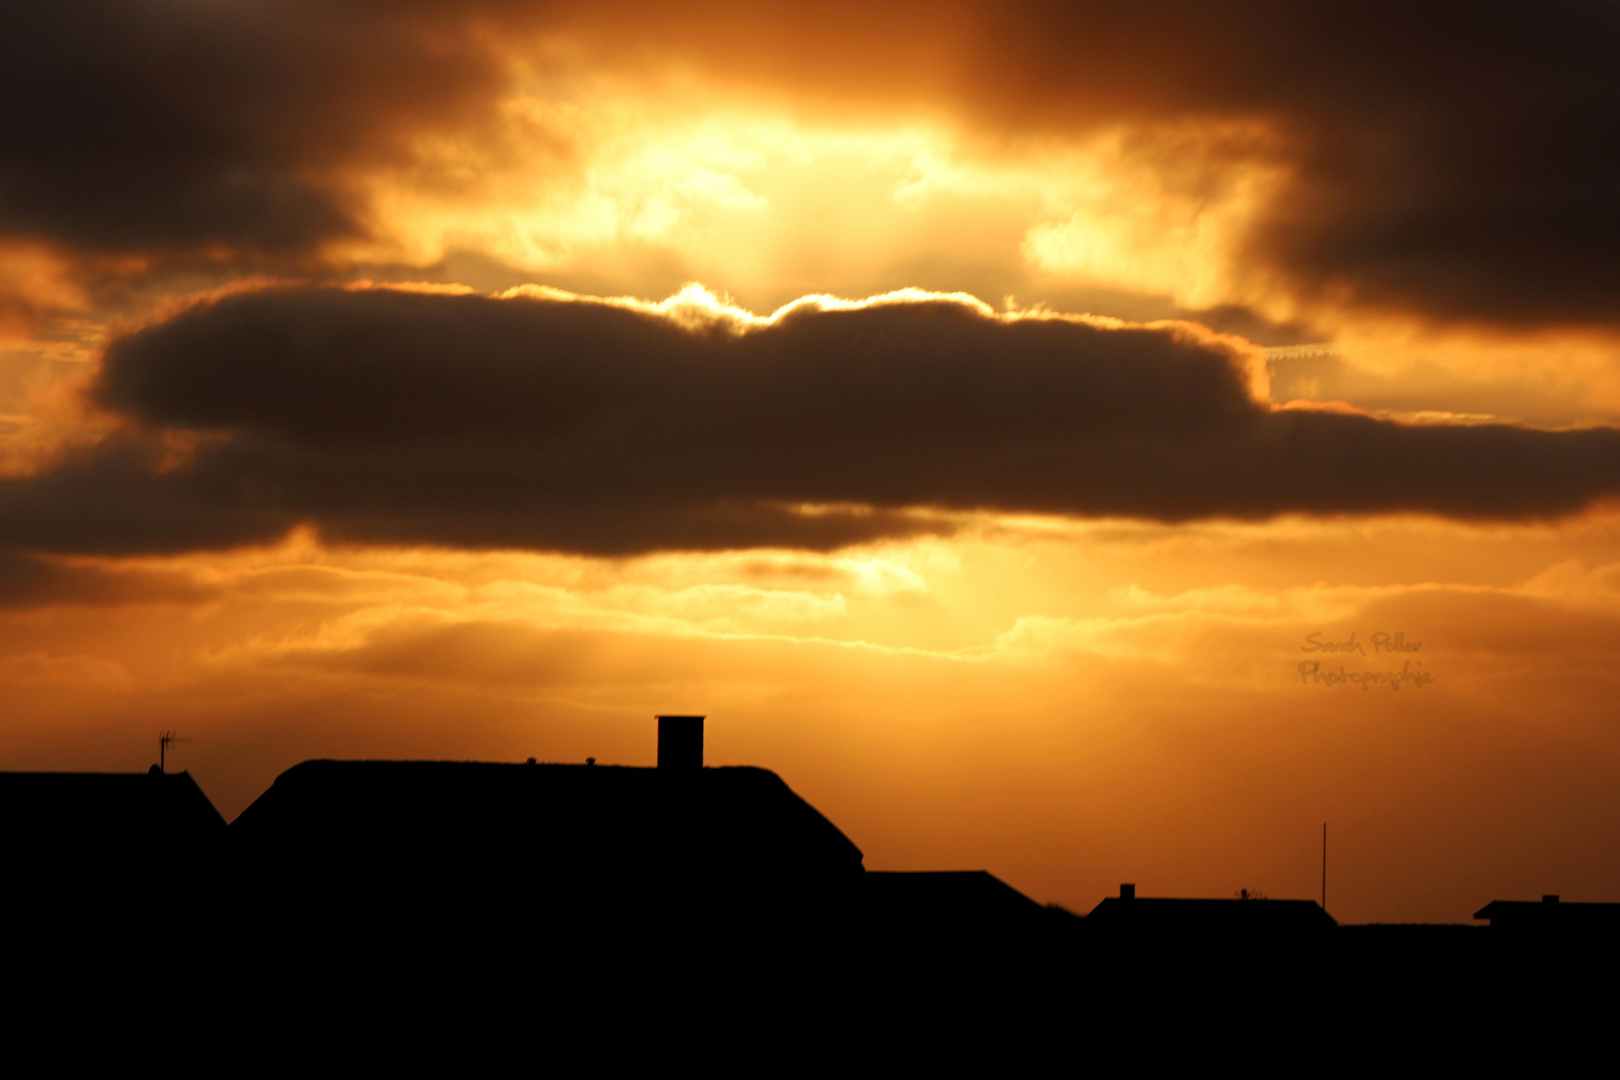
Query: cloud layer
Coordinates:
[554,422]
[165,129]
[1438,165]
[1443,164]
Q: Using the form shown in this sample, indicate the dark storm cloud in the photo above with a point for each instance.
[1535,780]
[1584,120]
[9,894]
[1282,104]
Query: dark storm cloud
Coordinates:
[1449,160]
[394,417]
[162,127]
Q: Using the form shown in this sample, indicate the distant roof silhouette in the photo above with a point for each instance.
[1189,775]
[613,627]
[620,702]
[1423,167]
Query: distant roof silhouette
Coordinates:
[949,894]
[596,819]
[110,816]
[1175,915]
[922,909]
[1550,913]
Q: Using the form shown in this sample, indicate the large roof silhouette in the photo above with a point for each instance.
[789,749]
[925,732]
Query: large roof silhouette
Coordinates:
[600,820]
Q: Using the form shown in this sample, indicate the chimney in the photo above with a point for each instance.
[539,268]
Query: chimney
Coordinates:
[680,743]
[1550,898]
[1127,892]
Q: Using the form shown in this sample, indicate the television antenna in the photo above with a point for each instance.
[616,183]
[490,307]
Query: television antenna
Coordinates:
[165,740]
[1324,866]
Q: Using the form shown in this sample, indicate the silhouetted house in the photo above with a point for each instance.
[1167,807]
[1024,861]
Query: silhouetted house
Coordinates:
[86,822]
[598,849]
[1208,920]
[1551,915]
[95,861]
[580,843]
[603,819]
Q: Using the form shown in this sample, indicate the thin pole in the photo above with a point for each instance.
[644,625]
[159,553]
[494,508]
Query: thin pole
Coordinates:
[1324,866]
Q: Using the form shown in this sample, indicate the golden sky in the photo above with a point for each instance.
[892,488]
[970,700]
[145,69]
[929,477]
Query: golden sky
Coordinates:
[974,409]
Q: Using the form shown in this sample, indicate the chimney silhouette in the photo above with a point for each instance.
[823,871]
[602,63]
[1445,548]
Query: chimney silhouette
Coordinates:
[680,743]
[1127,892]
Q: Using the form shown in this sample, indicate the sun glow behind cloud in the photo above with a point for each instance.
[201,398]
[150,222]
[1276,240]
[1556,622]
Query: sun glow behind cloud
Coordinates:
[620,186]
[765,204]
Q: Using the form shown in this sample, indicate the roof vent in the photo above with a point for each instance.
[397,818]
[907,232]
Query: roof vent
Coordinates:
[680,743]
[1550,898]
[1127,892]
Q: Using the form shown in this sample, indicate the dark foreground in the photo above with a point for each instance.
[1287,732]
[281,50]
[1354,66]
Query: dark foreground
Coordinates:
[239,974]
[470,916]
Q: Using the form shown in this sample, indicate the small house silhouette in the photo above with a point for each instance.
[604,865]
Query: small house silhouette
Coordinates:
[1128,913]
[1551,915]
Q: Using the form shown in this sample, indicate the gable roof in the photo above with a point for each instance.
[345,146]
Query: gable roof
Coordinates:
[600,819]
[949,894]
[108,816]
[106,810]
[919,909]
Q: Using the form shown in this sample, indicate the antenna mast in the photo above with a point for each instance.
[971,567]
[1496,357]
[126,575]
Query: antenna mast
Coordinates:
[164,739]
[1324,866]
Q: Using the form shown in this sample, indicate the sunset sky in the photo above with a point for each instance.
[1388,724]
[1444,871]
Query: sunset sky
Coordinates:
[974,409]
